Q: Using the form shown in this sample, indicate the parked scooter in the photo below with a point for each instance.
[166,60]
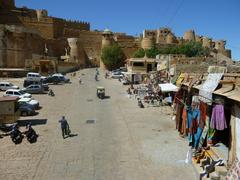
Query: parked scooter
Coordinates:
[51,93]
[140,104]
[96,77]
[16,135]
[31,134]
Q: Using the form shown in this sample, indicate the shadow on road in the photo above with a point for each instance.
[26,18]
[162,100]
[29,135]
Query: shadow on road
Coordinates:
[33,122]
[107,97]
[72,135]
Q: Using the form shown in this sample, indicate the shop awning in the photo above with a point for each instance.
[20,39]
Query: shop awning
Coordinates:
[168,87]
[223,90]
[198,86]
[209,86]
[234,95]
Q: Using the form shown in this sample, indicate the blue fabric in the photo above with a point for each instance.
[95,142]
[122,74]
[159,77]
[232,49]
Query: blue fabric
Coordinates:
[189,116]
[197,137]
[196,114]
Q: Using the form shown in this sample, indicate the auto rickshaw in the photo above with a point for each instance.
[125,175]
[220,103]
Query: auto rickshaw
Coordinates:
[100,92]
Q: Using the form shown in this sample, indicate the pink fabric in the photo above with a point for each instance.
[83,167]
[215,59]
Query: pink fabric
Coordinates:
[218,120]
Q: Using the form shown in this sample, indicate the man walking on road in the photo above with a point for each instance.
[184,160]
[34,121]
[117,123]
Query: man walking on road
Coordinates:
[64,127]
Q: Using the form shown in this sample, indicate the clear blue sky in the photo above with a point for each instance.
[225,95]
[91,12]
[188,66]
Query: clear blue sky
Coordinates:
[219,19]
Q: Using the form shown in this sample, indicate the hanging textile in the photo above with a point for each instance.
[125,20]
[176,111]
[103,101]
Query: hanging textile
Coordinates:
[203,111]
[195,117]
[179,116]
[209,86]
[218,120]
[184,122]
[195,99]
[237,130]
[197,137]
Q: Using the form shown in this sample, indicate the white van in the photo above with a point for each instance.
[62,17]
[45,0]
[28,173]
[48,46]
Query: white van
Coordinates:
[33,76]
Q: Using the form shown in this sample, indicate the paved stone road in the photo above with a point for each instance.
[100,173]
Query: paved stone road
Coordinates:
[124,143]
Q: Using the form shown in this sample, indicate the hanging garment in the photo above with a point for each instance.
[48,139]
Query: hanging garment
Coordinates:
[179,116]
[218,120]
[203,111]
[184,122]
[195,99]
[197,137]
[178,97]
[189,116]
[194,121]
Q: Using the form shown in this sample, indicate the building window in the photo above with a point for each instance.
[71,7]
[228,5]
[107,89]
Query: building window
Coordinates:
[138,64]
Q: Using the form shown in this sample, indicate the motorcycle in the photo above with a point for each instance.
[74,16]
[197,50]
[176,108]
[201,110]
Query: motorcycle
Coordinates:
[31,135]
[140,104]
[16,136]
[51,93]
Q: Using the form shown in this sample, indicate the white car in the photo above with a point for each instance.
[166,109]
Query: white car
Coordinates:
[7,85]
[117,75]
[31,101]
[17,92]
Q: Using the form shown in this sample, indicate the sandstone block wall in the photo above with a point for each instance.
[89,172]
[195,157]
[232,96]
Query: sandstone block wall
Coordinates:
[17,45]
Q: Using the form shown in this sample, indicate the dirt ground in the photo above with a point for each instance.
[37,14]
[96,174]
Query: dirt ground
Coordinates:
[123,142]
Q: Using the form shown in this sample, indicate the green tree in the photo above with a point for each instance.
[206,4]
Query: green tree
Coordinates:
[192,49]
[151,53]
[140,53]
[113,57]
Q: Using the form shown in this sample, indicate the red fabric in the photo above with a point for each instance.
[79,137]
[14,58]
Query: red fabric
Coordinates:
[184,122]
[203,112]
[193,127]
[178,97]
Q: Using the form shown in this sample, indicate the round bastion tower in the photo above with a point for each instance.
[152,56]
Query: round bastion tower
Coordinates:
[107,40]
[220,45]
[77,54]
[206,42]
[170,38]
[147,43]
[189,35]
[41,14]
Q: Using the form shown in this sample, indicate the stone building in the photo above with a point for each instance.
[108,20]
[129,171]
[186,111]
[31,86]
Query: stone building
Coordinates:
[24,32]
[83,46]
[164,36]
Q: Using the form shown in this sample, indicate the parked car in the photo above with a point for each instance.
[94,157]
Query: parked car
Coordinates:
[26,109]
[33,76]
[61,77]
[123,69]
[30,101]
[17,92]
[51,79]
[7,85]
[34,89]
[116,75]
[29,82]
